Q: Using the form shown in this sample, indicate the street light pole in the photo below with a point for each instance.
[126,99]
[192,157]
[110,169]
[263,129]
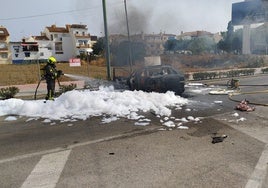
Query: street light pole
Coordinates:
[129,44]
[107,51]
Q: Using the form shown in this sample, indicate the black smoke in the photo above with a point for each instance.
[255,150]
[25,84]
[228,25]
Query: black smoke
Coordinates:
[138,21]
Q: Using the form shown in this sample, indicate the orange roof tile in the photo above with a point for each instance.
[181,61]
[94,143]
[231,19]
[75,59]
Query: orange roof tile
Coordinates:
[55,29]
[3,32]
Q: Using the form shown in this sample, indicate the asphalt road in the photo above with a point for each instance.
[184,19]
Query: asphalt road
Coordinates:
[119,154]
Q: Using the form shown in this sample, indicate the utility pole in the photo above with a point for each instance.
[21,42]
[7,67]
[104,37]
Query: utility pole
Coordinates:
[129,43]
[107,48]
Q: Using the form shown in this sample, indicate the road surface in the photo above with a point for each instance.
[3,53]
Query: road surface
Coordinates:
[120,154]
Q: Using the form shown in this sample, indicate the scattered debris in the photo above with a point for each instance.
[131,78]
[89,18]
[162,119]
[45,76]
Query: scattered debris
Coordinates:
[243,106]
[169,124]
[217,139]
[218,102]
[241,119]
[221,92]
[235,115]
[182,127]
[142,123]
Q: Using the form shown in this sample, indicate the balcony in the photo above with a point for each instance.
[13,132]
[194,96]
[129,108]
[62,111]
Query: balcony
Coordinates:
[82,35]
[4,49]
[3,39]
[83,46]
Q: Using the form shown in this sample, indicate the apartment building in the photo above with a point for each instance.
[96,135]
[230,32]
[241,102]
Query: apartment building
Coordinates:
[69,41]
[154,43]
[199,34]
[63,43]
[259,39]
[5,54]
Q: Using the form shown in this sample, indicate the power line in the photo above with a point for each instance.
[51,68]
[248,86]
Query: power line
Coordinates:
[52,13]
[40,15]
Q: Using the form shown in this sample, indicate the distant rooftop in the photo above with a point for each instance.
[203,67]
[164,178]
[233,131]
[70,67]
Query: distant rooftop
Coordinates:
[55,29]
[3,32]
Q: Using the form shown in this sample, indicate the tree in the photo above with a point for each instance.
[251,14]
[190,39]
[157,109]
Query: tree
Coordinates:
[98,47]
[120,52]
[197,46]
[232,40]
[170,45]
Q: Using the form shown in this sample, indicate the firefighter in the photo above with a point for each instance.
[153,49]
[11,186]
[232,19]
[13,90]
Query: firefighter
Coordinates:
[51,74]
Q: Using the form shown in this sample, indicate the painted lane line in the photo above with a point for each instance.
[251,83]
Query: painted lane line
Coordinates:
[47,172]
[59,149]
[25,156]
[258,176]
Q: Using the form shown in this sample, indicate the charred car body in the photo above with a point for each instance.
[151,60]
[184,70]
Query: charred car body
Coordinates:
[160,78]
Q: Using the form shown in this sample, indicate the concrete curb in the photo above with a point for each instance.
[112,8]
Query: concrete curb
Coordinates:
[29,89]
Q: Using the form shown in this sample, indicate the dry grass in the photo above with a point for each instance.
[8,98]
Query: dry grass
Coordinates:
[29,74]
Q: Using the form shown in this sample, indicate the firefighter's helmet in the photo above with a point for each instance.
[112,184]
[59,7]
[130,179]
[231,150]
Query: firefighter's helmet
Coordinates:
[51,60]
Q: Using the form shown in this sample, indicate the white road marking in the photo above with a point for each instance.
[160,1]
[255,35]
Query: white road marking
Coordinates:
[258,176]
[59,149]
[47,172]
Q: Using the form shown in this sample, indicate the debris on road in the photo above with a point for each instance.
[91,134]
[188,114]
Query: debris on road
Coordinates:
[243,106]
[217,139]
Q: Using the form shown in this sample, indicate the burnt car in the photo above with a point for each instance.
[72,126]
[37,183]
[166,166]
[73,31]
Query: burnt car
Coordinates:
[160,78]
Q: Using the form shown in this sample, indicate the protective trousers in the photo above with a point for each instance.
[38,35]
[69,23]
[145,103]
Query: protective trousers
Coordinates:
[50,89]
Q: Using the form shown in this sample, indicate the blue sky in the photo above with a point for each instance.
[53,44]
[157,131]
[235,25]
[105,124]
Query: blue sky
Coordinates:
[30,17]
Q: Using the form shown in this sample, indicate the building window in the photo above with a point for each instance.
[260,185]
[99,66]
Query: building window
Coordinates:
[4,55]
[33,48]
[16,55]
[41,53]
[27,54]
[82,42]
[16,49]
[3,45]
[58,46]
[51,36]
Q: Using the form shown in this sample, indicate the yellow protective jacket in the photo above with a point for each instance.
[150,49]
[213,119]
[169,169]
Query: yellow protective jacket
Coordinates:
[51,72]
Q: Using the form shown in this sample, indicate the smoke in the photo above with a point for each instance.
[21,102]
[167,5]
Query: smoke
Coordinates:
[95,84]
[138,18]
[138,21]
[154,16]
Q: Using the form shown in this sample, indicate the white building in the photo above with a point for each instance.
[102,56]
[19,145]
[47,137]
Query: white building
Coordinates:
[63,43]
[5,54]
[30,50]
[80,38]
[68,42]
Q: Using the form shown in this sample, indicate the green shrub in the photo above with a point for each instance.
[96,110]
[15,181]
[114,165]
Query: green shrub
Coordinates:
[65,88]
[199,76]
[204,75]
[264,70]
[9,92]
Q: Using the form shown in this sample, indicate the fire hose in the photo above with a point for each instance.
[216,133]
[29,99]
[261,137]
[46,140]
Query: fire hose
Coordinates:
[230,96]
[234,84]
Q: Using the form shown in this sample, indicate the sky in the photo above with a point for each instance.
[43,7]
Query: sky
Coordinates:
[110,105]
[27,18]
